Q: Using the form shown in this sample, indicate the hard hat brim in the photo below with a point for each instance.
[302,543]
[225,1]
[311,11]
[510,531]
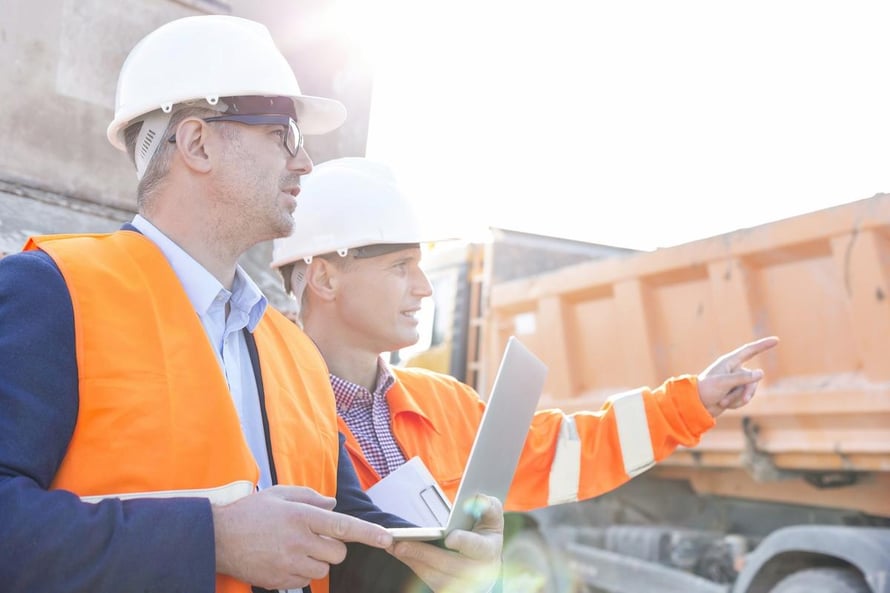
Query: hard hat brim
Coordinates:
[319,115]
[315,115]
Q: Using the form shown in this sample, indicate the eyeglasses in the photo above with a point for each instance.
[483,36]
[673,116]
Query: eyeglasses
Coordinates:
[292,139]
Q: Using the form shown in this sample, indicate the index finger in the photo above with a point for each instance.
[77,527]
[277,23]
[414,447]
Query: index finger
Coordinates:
[346,528]
[302,494]
[750,350]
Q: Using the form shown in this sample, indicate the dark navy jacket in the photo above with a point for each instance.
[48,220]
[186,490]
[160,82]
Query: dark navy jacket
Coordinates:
[49,540]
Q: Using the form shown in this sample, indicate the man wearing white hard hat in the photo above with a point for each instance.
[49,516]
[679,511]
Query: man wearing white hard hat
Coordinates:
[163,429]
[353,265]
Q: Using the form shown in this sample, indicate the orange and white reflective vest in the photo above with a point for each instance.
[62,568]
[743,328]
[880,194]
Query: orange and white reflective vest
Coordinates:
[155,417]
[566,457]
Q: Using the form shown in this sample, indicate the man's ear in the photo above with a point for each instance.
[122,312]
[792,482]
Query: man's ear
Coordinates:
[322,279]
[191,144]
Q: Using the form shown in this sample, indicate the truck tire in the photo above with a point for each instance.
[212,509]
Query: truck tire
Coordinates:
[528,567]
[824,580]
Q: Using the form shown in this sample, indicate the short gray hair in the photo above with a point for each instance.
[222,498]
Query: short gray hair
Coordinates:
[157,169]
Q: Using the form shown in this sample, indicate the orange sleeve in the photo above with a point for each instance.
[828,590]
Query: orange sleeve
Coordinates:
[674,415]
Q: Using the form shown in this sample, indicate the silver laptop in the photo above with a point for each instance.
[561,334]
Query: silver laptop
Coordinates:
[499,441]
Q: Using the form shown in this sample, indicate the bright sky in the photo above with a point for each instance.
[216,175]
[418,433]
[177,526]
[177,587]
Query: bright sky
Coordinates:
[633,123]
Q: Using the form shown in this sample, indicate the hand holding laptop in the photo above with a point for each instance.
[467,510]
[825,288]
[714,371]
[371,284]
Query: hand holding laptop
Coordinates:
[471,560]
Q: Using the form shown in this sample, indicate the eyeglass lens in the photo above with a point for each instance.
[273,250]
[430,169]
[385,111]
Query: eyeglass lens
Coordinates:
[293,140]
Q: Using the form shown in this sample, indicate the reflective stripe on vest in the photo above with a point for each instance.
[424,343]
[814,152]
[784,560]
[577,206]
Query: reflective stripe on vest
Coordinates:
[633,432]
[565,471]
[219,495]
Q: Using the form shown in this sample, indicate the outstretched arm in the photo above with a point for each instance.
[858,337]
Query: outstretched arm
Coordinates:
[582,455]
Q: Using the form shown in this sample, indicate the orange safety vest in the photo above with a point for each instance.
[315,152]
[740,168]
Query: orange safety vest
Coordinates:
[155,414]
[566,457]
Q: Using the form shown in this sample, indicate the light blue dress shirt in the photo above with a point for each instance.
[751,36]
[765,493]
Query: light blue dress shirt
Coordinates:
[246,307]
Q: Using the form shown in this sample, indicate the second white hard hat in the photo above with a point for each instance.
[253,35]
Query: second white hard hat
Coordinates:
[348,203]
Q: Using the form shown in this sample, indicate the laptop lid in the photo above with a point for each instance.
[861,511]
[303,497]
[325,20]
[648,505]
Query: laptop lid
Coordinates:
[499,440]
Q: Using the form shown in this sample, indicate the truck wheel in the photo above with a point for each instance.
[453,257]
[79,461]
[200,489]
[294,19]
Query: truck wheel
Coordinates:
[824,580]
[527,564]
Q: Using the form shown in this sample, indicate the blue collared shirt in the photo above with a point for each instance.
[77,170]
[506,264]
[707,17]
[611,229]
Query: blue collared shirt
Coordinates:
[246,307]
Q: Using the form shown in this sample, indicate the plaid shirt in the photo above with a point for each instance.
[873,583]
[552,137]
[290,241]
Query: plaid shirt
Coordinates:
[367,416]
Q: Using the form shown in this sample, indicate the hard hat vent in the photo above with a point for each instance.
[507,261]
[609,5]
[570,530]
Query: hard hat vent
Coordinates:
[145,147]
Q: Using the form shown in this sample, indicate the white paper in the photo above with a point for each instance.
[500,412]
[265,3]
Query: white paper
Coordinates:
[412,493]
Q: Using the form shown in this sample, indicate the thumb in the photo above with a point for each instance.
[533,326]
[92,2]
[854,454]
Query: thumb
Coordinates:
[490,513]
[739,378]
[739,396]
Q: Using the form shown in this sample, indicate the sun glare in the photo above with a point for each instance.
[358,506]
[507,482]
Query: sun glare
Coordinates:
[639,124]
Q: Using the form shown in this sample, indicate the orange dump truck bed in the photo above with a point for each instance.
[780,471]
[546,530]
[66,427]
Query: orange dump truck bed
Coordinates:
[818,281]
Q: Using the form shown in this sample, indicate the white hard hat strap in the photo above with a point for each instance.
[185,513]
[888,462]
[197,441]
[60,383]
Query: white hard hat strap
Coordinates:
[151,136]
[298,282]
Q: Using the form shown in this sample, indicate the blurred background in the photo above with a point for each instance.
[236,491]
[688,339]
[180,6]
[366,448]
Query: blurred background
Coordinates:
[637,124]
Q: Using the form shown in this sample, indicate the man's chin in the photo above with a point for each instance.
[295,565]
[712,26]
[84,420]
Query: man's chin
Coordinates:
[283,228]
[405,341]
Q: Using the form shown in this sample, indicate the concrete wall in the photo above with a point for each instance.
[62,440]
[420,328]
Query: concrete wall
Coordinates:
[58,67]
[59,61]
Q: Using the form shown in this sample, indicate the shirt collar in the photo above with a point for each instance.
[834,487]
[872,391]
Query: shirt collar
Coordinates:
[401,401]
[397,397]
[201,286]
[348,394]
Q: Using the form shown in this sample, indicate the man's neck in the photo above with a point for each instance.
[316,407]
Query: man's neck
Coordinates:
[203,248]
[351,364]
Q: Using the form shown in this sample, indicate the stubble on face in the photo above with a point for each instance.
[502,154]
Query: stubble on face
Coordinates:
[252,193]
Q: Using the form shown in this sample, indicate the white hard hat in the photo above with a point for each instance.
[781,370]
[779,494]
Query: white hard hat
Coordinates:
[348,203]
[210,57]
